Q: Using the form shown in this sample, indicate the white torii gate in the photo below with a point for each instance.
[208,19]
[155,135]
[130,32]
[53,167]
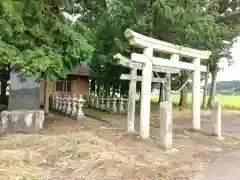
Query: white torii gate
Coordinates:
[150,45]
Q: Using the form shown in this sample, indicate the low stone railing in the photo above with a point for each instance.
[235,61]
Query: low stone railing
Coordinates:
[68,105]
[111,105]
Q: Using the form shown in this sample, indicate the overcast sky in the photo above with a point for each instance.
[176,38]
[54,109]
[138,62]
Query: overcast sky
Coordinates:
[232,72]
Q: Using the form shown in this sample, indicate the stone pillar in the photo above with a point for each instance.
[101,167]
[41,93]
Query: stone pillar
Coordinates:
[121,108]
[166,125]
[146,95]
[64,108]
[80,114]
[60,103]
[114,105]
[196,96]
[107,104]
[216,121]
[57,102]
[69,105]
[97,102]
[132,101]
[102,106]
[74,105]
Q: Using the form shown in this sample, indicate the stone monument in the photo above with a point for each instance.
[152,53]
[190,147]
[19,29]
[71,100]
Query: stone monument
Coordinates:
[23,114]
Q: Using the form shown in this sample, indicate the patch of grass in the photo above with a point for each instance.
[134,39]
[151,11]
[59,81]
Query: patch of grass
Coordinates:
[228,102]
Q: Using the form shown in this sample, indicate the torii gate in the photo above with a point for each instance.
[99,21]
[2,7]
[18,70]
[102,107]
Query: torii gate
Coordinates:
[133,78]
[150,45]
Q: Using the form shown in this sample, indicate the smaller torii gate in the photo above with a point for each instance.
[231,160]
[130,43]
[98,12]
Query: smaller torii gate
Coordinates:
[150,63]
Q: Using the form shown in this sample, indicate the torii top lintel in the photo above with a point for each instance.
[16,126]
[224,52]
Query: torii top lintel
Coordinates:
[141,41]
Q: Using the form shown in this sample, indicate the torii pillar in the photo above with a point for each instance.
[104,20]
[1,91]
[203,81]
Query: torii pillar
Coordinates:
[146,95]
[196,96]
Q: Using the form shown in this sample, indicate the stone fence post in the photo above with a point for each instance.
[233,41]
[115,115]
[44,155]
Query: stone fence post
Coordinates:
[114,105]
[64,108]
[60,103]
[216,120]
[97,102]
[80,114]
[102,105]
[121,105]
[107,104]
[165,125]
[74,106]
[69,105]
[57,102]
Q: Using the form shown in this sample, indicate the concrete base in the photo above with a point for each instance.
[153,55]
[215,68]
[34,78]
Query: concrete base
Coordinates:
[81,117]
[22,121]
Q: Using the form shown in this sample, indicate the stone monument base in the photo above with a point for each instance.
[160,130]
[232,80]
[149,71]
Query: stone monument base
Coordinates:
[22,121]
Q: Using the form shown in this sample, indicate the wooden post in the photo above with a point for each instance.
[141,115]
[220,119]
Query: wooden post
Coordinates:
[196,96]
[146,95]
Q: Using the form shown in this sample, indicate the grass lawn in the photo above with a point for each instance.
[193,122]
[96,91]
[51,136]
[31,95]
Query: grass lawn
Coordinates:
[228,102]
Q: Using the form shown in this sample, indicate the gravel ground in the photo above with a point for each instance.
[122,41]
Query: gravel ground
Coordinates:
[100,149]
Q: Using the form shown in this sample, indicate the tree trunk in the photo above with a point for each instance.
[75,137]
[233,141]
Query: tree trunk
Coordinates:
[213,89]
[183,98]
[3,88]
[98,88]
[161,93]
[46,98]
[121,90]
[114,90]
[106,90]
[168,87]
[204,104]
[93,85]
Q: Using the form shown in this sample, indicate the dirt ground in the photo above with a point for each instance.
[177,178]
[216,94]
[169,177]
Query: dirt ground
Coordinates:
[90,150]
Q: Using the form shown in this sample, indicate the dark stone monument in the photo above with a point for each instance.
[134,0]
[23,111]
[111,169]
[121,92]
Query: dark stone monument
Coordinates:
[24,92]
[23,113]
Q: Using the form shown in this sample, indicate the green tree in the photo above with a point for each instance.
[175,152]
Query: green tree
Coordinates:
[192,23]
[36,35]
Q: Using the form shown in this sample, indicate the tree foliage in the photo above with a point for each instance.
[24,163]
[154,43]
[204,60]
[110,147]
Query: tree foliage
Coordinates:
[191,23]
[37,36]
